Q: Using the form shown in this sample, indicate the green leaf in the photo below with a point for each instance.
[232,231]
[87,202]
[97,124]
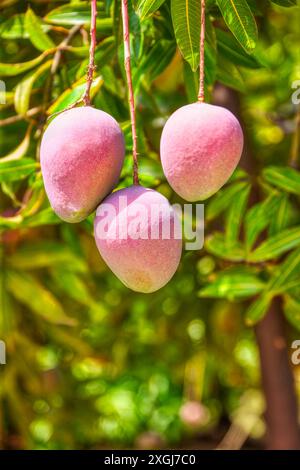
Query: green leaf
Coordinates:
[186,18]
[191,82]
[155,61]
[72,285]
[216,245]
[283,178]
[79,13]
[14,28]
[27,290]
[71,95]
[37,36]
[147,7]
[75,13]
[260,216]
[191,79]
[233,284]
[284,273]
[223,199]
[276,245]
[230,48]
[283,216]
[258,309]
[229,75]
[104,51]
[24,88]
[14,170]
[291,309]
[235,215]
[21,149]
[240,20]
[10,222]
[285,3]
[46,254]
[11,70]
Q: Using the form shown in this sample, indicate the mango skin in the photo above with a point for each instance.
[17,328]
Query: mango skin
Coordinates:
[82,153]
[143,265]
[200,147]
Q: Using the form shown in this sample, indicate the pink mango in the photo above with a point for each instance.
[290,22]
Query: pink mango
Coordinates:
[201,145]
[138,235]
[82,153]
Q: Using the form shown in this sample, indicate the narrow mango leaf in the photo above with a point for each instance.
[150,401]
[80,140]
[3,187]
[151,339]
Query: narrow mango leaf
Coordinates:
[73,286]
[191,79]
[37,36]
[9,190]
[222,200]
[284,273]
[71,95]
[259,217]
[258,309]
[229,75]
[216,245]
[283,216]
[11,70]
[148,7]
[79,13]
[191,82]
[14,28]
[291,309]
[283,177]
[240,20]
[20,150]
[27,290]
[75,13]
[10,222]
[285,3]
[155,61]
[186,18]
[46,254]
[24,89]
[7,313]
[276,245]
[229,47]
[233,284]
[235,215]
[78,51]
[104,51]
[14,170]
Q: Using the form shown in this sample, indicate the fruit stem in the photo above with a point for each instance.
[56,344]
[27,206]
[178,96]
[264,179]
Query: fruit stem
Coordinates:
[127,65]
[91,67]
[201,97]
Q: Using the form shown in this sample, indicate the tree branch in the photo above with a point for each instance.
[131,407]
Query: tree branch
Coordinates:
[201,94]
[127,65]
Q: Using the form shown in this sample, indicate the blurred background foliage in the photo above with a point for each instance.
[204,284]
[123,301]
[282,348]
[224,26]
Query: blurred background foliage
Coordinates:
[89,363]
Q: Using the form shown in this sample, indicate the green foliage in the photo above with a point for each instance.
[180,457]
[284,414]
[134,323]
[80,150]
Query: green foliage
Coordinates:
[147,7]
[90,363]
[186,21]
[240,20]
[37,36]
